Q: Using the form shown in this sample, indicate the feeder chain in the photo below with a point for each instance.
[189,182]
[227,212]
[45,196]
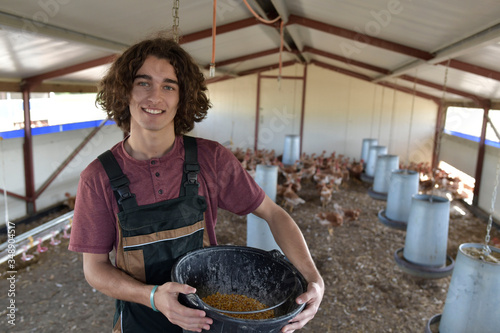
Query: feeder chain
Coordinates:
[411,116]
[440,133]
[175,15]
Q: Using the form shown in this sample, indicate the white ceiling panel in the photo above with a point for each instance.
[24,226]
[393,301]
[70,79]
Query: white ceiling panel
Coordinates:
[234,44]
[24,55]
[487,57]
[453,78]
[411,23]
[87,75]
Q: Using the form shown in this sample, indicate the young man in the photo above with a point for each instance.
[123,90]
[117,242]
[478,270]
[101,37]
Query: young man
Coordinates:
[155,196]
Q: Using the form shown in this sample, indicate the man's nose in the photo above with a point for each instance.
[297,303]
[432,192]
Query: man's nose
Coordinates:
[155,94]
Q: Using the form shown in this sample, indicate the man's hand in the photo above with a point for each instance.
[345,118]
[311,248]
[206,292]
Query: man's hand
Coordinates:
[312,298]
[166,301]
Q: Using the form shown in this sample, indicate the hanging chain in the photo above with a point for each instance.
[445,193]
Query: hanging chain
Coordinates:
[392,117]
[439,134]
[440,131]
[373,110]
[381,113]
[175,26]
[411,116]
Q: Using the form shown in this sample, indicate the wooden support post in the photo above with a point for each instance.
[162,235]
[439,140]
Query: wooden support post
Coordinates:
[29,174]
[480,156]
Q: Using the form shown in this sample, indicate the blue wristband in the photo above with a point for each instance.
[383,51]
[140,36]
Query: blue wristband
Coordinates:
[152,298]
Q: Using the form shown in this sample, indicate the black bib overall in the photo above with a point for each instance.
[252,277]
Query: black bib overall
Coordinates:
[152,237]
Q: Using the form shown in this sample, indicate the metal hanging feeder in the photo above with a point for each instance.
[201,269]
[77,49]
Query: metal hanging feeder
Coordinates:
[291,151]
[373,153]
[473,297]
[402,186]
[365,147]
[259,234]
[381,181]
[424,253]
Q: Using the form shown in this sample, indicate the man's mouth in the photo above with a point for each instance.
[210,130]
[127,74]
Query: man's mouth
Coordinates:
[153,111]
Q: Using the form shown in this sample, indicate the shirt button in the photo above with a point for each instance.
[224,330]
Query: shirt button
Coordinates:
[160,191]
[157,174]
[153,162]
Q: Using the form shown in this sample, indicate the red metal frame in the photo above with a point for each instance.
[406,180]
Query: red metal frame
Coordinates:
[478,100]
[27,85]
[29,175]
[437,133]
[474,69]
[220,30]
[69,159]
[266,68]
[33,81]
[354,35]
[347,60]
[303,111]
[244,58]
[257,112]
[257,115]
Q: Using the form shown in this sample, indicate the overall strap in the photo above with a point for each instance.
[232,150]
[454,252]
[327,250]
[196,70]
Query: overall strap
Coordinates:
[119,182]
[189,184]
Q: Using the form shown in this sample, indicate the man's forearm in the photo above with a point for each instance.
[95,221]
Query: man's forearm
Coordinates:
[111,281]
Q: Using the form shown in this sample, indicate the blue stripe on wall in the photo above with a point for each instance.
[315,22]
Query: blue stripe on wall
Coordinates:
[472,138]
[54,129]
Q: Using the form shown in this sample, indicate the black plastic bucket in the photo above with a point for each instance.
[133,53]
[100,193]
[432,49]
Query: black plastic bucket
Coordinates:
[264,276]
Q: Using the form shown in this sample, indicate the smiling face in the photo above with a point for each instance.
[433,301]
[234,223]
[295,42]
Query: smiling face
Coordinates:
[154,98]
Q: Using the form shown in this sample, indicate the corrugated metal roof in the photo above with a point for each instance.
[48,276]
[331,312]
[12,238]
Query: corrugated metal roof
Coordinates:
[391,41]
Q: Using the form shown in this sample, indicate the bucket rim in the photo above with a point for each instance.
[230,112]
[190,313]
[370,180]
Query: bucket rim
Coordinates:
[404,172]
[387,156]
[436,199]
[478,246]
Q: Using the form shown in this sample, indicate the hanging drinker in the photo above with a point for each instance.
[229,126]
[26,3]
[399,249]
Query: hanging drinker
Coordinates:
[424,253]
[291,151]
[365,147]
[402,186]
[384,167]
[473,297]
[258,233]
[373,154]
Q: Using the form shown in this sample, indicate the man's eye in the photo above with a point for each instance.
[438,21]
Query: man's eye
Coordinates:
[168,88]
[144,84]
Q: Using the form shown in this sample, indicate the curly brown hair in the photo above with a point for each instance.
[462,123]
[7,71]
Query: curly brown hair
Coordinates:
[115,88]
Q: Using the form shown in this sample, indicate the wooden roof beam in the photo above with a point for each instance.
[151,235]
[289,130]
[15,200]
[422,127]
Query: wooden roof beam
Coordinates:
[245,57]
[33,81]
[470,68]
[207,33]
[360,37]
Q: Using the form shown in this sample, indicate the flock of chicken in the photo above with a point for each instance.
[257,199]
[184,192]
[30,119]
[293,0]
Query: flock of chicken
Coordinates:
[329,173]
[439,181]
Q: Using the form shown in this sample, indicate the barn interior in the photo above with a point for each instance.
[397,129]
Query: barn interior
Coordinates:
[420,77]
